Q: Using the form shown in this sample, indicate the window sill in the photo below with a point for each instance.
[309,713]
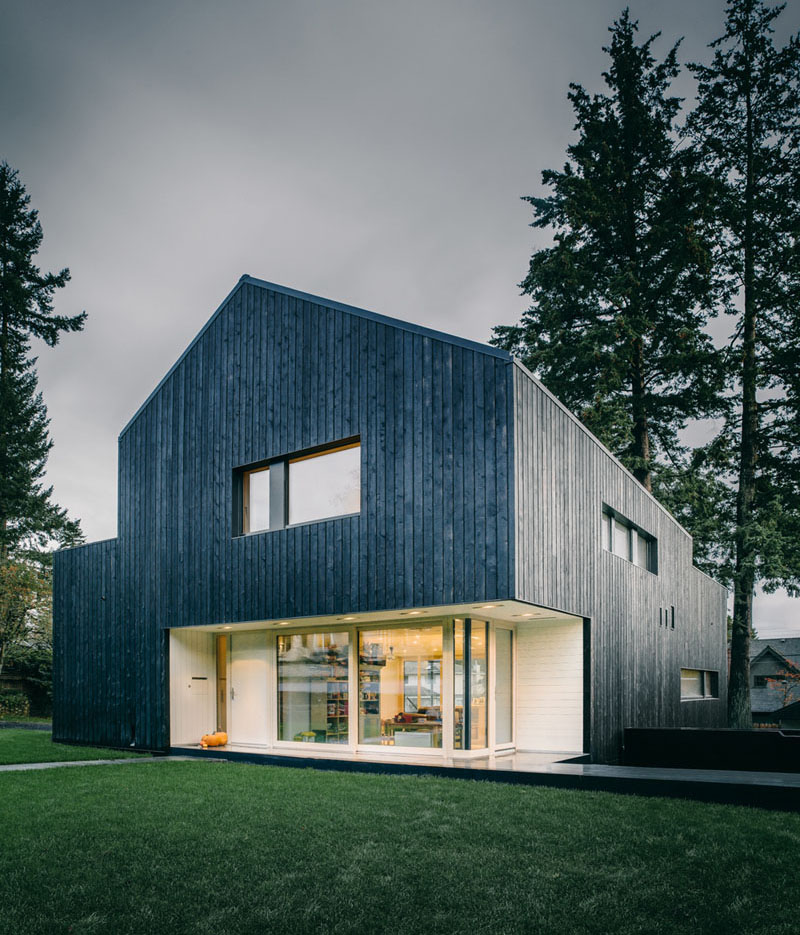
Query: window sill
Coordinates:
[628,561]
[310,522]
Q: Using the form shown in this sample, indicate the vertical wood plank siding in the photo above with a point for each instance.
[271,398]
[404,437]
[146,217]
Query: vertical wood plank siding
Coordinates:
[476,485]
[91,696]
[563,476]
[273,374]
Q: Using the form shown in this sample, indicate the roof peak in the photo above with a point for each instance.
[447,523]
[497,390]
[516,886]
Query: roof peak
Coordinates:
[423,330]
[247,279]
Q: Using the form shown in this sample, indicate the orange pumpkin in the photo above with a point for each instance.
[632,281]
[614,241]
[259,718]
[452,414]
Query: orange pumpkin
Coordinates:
[219,739]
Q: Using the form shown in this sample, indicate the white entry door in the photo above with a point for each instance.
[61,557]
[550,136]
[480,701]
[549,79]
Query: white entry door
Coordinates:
[248,694]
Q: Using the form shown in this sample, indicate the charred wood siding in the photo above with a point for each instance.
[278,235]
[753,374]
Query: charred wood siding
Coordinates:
[92,698]
[563,477]
[274,374]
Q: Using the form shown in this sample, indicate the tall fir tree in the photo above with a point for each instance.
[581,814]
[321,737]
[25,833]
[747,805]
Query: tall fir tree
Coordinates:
[28,516]
[621,298]
[747,128]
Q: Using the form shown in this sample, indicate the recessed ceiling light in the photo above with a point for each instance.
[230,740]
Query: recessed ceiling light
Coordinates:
[282,623]
[348,618]
[227,628]
[411,613]
[485,606]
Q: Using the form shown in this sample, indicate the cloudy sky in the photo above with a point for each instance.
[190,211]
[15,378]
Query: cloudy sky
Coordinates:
[371,152]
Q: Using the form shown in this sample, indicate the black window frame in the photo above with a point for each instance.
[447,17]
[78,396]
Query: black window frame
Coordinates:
[279,487]
[631,527]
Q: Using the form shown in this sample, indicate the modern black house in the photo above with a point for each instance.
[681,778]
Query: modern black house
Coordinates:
[342,534]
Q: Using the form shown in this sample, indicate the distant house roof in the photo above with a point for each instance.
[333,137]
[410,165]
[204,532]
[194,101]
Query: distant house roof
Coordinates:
[785,654]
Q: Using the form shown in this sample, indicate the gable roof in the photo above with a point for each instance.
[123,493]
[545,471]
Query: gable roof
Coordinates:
[246,279]
[786,655]
[786,650]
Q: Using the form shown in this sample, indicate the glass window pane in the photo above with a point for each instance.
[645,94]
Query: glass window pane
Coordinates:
[312,687]
[410,686]
[640,550]
[621,540]
[503,685]
[399,674]
[458,687]
[256,502]
[478,685]
[325,485]
[607,522]
[691,683]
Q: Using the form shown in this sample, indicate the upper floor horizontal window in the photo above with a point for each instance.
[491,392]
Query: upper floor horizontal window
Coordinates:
[629,541]
[325,484]
[301,488]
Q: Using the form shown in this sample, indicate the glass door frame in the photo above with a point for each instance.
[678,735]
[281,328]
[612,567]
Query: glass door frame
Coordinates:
[354,631]
[446,683]
[273,714]
[510,746]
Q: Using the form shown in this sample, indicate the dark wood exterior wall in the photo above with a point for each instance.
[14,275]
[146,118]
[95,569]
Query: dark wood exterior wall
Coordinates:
[275,373]
[91,652]
[476,485]
[563,477]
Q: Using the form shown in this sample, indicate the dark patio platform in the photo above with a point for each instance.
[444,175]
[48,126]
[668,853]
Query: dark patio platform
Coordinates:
[755,789]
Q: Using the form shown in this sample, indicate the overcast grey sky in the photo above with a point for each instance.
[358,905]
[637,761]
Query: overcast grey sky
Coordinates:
[369,152]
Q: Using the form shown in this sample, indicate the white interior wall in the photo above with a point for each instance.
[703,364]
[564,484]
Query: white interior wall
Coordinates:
[549,702]
[192,681]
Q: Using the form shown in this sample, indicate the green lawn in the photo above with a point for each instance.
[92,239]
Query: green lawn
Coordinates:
[222,848]
[18,745]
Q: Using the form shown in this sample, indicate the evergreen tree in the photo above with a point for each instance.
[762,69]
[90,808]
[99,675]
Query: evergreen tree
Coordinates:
[747,127]
[28,517]
[621,298]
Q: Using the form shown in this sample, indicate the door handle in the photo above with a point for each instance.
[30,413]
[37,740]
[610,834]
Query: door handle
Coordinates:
[233,693]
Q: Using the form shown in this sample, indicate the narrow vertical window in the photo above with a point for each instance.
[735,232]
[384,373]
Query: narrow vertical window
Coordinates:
[503,680]
[640,551]
[470,685]
[607,541]
[255,500]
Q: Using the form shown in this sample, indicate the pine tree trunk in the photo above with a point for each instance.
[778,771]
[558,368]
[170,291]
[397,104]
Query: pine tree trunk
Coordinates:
[641,437]
[739,707]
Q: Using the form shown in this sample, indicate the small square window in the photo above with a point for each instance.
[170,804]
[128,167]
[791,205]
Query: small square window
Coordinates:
[699,683]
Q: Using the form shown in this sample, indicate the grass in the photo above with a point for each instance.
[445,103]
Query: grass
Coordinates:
[25,718]
[18,745]
[218,848]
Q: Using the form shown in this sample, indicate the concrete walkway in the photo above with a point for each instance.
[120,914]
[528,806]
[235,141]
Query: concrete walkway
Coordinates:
[26,725]
[20,767]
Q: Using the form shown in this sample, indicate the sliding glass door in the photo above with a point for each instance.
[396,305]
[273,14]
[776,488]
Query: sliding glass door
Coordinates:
[400,687]
[470,684]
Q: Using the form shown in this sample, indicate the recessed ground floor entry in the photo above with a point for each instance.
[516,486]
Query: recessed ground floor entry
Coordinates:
[461,685]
